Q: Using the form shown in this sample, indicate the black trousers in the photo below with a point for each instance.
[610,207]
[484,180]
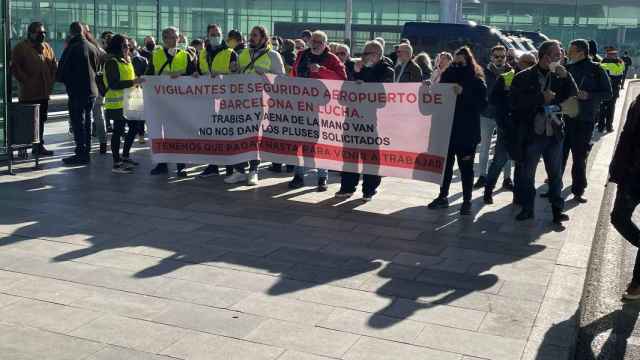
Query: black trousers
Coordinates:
[370,183]
[44,109]
[253,166]
[81,114]
[577,138]
[465,157]
[607,110]
[627,199]
[119,122]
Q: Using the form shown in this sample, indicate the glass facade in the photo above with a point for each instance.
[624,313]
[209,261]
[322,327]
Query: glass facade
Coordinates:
[3,82]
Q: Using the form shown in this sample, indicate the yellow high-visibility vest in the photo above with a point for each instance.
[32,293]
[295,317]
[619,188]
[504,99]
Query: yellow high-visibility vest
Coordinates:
[178,66]
[613,69]
[220,63]
[508,77]
[113,100]
[263,61]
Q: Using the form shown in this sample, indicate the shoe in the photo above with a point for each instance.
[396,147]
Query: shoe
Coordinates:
[579,199]
[141,140]
[439,203]
[524,215]
[368,197]
[632,293]
[235,178]
[558,216]
[465,209]
[252,179]
[160,169]
[129,162]
[276,168]
[296,183]
[507,184]
[75,160]
[211,170]
[343,194]
[488,196]
[121,168]
[609,130]
[44,152]
[103,148]
[109,129]
[181,174]
[322,184]
[480,183]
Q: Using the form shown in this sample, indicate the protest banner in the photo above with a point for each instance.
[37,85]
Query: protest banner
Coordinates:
[391,129]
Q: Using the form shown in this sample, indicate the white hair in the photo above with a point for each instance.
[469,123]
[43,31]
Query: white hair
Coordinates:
[345,47]
[375,44]
[381,41]
[320,34]
[406,47]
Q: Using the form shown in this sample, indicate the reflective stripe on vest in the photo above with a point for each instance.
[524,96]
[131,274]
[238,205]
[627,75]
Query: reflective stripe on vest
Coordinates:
[220,62]
[178,65]
[508,77]
[263,61]
[113,100]
[613,69]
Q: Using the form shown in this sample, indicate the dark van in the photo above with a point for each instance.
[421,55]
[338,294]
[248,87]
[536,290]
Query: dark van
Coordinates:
[536,37]
[436,37]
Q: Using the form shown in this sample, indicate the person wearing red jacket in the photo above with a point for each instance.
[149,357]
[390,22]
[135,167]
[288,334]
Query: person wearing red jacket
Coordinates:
[316,62]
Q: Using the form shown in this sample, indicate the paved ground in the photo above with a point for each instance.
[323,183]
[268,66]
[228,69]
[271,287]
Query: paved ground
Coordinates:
[102,266]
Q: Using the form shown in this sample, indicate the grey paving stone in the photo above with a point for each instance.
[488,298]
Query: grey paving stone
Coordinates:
[303,338]
[373,325]
[203,294]
[436,314]
[122,303]
[297,355]
[130,333]
[10,278]
[118,353]
[509,326]
[206,347]
[388,231]
[422,261]
[121,280]
[60,270]
[375,349]
[488,283]
[208,319]
[523,291]
[46,315]
[8,299]
[320,222]
[26,343]
[52,290]
[470,343]
[342,297]
[284,309]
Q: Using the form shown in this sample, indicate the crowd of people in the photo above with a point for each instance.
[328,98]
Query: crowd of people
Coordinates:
[525,102]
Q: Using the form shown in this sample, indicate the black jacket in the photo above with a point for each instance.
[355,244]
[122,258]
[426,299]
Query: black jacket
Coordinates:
[590,77]
[527,100]
[348,67]
[381,72]
[412,72]
[491,76]
[78,68]
[625,166]
[465,134]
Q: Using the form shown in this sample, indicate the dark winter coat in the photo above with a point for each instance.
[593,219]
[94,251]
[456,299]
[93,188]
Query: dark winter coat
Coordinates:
[625,166]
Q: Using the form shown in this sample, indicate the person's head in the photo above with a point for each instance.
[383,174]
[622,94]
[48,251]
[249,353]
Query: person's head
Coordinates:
[405,41]
[300,44]
[306,36]
[275,43]
[593,48]
[578,50]
[119,46]
[105,37]
[372,53]
[332,47]
[133,46]
[197,44]
[499,55]
[443,60]
[526,61]
[288,45]
[76,29]
[404,53]
[381,41]
[626,53]
[464,59]
[214,35]
[36,32]
[149,43]
[318,42]
[423,60]
[234,38]
[343,52]
[259,37]
[170,37]
[612,53]
[549,52]
[182,41]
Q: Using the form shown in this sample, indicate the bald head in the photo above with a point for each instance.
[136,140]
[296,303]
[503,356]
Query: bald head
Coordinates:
[526,60]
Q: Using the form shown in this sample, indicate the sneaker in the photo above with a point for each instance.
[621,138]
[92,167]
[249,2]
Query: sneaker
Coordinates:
[160,169]
[275,167]
[181,174]
[103,148]
[322,184]
[211,170]
[465,209]
[141,140]
[438,203]
[579,199]
[559,217]
[252,179]
[507,184]
[343,194]
[368,197]
[44,152]
[480,183]
[296,183]
[488,196]
[235,178]
[75,160]
[525,215]
[121,168]
[632,293]
[129,162]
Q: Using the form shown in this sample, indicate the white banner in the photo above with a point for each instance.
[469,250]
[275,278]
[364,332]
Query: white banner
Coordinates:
[391,129]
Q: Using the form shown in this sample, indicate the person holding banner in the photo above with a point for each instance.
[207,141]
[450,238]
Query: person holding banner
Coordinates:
[370,69]
[316,62]
[119,75]
[169,60]
[216,59]
[471,90]
[259,58]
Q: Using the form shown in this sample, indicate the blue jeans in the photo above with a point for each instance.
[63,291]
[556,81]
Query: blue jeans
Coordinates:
[501,161]
[550,149]
[300,170]
[81,114]
[487,127]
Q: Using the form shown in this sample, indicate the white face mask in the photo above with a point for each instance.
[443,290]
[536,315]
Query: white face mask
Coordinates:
[554,66]
[172,51]
[215,40]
